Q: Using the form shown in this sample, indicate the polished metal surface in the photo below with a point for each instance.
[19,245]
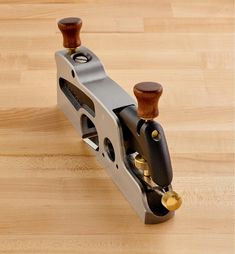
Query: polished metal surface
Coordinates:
[107,95]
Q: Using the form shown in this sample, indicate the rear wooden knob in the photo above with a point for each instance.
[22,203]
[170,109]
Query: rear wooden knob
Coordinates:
[147,95]
[70,29]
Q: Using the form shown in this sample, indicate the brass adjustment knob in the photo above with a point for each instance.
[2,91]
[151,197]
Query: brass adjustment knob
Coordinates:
[142,164]
[171,200]
[147,95]
[70,29]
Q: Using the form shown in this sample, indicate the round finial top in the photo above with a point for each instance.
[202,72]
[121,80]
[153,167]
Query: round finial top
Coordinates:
[70,29]
[147,95]
[171,200]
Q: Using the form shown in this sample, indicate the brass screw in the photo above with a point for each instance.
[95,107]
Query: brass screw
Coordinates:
[142,164]
[71,50]
[171,200]
[155,135]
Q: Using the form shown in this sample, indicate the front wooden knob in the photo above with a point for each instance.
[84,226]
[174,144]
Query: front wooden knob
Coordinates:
[147,95]
[70,29]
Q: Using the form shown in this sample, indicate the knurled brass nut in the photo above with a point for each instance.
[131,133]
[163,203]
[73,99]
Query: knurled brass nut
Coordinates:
[141,163]
[171,200]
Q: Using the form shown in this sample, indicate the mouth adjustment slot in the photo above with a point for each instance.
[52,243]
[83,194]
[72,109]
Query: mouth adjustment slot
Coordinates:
[89,133]
[77,97]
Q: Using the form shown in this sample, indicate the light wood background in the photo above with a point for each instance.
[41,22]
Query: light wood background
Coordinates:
[54,196]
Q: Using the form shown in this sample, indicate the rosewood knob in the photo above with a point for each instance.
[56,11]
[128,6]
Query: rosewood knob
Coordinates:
[70,29]
[147,95]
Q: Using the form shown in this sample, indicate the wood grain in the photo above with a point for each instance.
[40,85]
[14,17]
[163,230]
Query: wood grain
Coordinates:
[70,29]
[147,95]
[54,196]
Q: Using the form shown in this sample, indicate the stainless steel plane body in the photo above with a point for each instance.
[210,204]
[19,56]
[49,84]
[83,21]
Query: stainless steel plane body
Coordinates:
[107,95]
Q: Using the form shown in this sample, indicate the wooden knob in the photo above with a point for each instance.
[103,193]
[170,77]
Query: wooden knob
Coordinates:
[70,29]
[147,95]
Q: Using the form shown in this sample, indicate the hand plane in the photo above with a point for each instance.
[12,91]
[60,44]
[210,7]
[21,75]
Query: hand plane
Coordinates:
[124,137]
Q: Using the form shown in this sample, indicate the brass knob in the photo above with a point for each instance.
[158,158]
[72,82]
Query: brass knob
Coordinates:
[171,200]
[70,29]
[147,95]
[142,164]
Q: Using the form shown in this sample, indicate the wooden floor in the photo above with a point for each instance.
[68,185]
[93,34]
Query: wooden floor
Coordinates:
[54,196]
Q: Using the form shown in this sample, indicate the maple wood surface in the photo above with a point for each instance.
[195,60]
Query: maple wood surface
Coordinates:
[54,196]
